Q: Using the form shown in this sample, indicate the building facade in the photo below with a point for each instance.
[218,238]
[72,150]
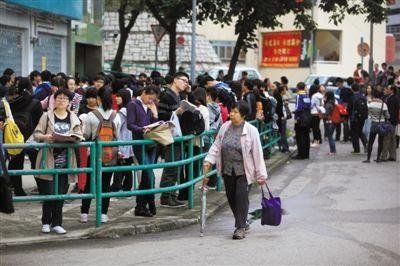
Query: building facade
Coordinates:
[329,50]
[34,35]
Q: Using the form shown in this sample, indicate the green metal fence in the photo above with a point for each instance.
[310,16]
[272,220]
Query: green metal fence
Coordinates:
[96,167]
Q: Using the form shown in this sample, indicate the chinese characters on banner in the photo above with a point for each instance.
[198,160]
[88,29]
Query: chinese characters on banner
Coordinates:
[285,49]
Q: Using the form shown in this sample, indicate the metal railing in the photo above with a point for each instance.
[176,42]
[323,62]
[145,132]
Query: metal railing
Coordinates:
[96,167]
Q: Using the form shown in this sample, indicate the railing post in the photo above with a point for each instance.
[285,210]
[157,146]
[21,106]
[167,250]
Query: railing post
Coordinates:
[190,177]
[99,163]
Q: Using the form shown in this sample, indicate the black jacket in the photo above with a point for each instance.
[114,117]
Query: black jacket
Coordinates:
[393,104]
[169,102]
[26,112]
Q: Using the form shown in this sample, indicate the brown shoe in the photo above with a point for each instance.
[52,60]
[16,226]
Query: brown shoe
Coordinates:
[239,233]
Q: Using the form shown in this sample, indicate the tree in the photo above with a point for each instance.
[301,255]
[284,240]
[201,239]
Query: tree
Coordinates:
[249,15]
[127,10]
[168,13]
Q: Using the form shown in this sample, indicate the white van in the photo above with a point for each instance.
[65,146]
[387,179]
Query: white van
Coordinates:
[252,73]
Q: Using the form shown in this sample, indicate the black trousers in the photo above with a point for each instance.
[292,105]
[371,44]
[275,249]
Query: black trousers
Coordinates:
[123,180]
[303,141]
[148,177]
[184,193]
[52,209]
[170,175]
[346,130]
[105,186]
[357,134]
[315,121]
[237,191]
[17,163]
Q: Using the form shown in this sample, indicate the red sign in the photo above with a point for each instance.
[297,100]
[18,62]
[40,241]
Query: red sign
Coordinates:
[390,48]
[281,49]
[180,40]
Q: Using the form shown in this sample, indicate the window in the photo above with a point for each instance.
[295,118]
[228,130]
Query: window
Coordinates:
[224,50]
[327,46]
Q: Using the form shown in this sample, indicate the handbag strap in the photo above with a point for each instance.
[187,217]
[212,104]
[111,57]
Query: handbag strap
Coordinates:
[269,192]
[7,109]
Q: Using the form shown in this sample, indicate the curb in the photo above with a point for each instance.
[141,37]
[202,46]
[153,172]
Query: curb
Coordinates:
[124,226]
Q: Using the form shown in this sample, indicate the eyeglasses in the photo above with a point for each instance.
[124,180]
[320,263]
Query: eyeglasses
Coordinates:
[62,99]
[184,80]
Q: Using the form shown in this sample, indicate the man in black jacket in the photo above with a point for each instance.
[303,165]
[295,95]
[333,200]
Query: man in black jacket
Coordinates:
[169,102]
[358,112]
[249,98]
[389,141]
[26,112]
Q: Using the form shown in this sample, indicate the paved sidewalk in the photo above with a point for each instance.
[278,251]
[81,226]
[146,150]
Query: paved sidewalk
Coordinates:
[23,227]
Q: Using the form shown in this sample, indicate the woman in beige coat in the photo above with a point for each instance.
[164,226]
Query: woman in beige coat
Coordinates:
[58,125]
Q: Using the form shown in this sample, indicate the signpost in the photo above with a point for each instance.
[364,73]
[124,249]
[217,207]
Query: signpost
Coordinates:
[180,40]
[158,32]
[363,50]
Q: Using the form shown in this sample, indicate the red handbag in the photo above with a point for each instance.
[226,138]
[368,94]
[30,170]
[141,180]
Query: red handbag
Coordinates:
[342,110]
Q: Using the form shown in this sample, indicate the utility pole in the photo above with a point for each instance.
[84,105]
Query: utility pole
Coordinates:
[371,48]
[193,47]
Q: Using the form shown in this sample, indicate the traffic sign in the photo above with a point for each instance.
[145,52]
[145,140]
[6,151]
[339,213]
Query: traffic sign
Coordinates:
[363,49]
[180,40]
[158,32]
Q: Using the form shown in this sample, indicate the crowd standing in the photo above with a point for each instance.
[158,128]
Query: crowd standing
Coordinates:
[110,108]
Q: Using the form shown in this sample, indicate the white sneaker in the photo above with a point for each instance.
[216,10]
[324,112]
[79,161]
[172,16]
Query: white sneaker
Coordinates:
[45,228]
[104,218]
[84,218]
[58,230]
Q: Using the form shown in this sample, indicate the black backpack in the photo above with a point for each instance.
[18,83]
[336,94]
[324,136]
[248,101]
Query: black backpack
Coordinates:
[268,108]
[192,123]
[360,108]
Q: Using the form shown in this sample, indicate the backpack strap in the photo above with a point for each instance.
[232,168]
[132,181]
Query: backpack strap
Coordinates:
[100,118]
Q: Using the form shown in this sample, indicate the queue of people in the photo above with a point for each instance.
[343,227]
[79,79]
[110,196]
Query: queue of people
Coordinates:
[46,106]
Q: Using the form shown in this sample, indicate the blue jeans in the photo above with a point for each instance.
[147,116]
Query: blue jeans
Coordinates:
[330,128]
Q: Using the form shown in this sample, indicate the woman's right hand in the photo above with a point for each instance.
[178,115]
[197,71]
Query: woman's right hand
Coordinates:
[48,138]
[206,169]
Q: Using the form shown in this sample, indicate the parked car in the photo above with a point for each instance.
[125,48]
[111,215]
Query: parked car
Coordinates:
[329,81]
[252,73]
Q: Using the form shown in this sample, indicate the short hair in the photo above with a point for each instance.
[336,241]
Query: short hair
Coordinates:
[34,74]
[99,77]
[208,78]
[243,108]
[58,82]
[5,79]
[284,80]
[8,71]
[181,74]
[24,85]
[350,81]
[249,84]
[65,92]
[339,80]
[212,92]
[244,73]
[168,79]
[143,75]
[384,64]
[359,64]
[155,74]
[84,79]
[91,92]
[301,86]
[116,85]
[46,75]
[62,74]
[355,87]
[105,95]
[151,89]
[125,95]
[199,95]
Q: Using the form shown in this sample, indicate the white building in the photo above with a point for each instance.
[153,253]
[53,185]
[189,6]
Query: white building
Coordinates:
[335,47]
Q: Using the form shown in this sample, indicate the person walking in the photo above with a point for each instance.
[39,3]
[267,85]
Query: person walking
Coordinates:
[358,112]
[317,110]
[329,106]
[238,154]
[60,121]
[303,121]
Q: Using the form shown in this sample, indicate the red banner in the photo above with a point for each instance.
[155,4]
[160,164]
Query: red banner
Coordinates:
[281,49]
